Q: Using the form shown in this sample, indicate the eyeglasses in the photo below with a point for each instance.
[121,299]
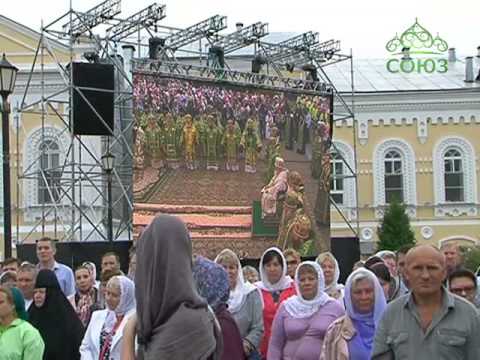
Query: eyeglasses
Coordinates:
[461,290]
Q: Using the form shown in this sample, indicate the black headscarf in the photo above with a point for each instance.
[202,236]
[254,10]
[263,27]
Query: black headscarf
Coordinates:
[173,320]
[56,320]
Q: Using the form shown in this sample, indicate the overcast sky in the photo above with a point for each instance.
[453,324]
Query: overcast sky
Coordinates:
[365,26]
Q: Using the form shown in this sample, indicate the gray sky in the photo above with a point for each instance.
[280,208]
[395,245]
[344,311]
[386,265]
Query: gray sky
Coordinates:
[365,26]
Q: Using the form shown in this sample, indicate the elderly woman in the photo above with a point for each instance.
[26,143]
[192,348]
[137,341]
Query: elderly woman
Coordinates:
[250,274]
[302,321]
[351,337]
[275,287]
[54,317]
[244,302]
[173,320]
[213,285]
[331,271]
[103,338]
[18,339]
[87,296]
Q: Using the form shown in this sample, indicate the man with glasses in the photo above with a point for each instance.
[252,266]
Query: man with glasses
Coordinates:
[462,282]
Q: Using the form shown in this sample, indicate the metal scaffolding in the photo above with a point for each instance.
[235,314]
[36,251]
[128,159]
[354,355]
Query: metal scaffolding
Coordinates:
[76,187]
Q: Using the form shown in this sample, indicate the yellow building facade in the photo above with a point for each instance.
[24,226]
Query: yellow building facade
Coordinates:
[421,146]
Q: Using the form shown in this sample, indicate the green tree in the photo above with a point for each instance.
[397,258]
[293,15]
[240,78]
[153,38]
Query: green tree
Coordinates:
[395,230]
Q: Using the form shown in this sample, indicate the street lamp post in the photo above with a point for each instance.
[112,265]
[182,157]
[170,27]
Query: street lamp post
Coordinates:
[108,162]
[8,75]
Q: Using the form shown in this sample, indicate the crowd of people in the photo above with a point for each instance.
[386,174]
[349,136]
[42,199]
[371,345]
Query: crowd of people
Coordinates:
[415,303]
[180,97]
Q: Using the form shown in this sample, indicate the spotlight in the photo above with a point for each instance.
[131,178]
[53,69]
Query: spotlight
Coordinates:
[311,71]
[91,56]
[216,57]
[290,67]
[154,44]
[257,63]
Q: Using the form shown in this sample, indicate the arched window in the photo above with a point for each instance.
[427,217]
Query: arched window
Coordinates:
[49,172]
[453,175]
[393,176]
[337,176]
[342,183]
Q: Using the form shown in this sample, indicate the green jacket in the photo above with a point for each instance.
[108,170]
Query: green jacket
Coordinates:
[20,341]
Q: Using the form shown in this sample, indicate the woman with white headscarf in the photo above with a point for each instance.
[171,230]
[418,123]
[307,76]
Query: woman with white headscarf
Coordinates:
[331,271]
[244,302]
[351,337]
[275,287]
[103,338]
[302,320]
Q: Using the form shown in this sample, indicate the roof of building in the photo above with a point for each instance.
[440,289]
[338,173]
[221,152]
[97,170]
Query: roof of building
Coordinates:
[372,75]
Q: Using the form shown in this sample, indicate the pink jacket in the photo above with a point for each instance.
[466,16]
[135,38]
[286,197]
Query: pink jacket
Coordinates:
[335,343]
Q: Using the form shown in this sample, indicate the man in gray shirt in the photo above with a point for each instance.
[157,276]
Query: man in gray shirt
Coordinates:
[429,322]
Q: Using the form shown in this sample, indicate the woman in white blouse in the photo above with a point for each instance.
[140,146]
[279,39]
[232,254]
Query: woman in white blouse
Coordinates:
[103,338]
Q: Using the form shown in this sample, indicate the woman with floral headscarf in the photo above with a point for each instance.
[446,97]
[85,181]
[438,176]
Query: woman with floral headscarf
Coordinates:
[351,337]
[103,338]
[302,321]
[86,297]
[212,284]
[331,271]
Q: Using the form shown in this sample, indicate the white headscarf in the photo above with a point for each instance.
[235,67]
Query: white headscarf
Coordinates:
[126,304]
[297,306]
[285,281]
[334,285]
[242,288]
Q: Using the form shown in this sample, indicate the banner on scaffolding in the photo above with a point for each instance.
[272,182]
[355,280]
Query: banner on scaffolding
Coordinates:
[209,151]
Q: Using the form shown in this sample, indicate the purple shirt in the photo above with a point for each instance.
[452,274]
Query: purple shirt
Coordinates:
[301,339]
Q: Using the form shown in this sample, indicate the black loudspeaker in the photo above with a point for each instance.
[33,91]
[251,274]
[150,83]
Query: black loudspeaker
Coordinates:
[347,252]
[99,77]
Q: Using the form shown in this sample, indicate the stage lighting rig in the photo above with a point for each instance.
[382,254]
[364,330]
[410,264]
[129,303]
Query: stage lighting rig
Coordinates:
[146,18]
[100,14]
[206,28]
[244,36]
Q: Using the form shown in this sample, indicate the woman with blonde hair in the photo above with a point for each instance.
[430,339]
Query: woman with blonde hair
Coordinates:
[244,303]
[331,271]
[104,335]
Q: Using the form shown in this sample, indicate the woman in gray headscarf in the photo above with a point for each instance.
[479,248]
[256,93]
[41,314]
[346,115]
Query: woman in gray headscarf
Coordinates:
[173,321]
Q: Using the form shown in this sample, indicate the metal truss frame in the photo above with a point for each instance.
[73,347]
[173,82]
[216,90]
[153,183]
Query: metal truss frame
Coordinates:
[67,182]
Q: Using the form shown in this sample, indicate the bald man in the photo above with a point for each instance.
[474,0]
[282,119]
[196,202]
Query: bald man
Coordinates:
[429,322]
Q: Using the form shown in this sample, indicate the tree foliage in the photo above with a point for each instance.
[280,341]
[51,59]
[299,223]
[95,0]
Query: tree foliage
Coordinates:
[395,231]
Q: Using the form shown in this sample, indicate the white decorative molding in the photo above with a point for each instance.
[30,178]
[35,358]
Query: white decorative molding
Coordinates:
[366,234]
[349,205]
[427,232]
[469,205]
[408,170]
[31,164]
[422,130]
[363,131]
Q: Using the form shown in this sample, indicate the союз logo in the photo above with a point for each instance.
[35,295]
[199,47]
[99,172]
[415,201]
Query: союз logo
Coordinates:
[419,51]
